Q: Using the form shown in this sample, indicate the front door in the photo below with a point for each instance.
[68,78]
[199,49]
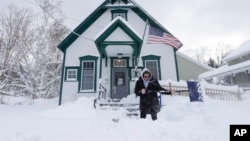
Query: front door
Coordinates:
[119,83]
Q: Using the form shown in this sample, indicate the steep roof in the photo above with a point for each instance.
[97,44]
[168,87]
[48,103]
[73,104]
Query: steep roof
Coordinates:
[239,52]
[194,61]
[100,10]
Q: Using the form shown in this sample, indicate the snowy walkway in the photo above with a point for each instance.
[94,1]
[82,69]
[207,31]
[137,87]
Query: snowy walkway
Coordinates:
[179,120]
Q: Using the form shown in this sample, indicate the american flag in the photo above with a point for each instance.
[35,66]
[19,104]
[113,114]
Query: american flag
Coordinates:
[157,36]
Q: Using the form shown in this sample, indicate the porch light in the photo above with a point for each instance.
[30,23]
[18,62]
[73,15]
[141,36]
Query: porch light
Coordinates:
[119,55]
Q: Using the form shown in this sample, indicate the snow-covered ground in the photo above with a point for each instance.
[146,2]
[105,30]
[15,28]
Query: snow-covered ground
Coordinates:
[179,120]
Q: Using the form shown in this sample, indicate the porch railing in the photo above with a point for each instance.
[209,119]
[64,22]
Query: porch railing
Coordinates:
[102,92]
[224,93]
[228,93]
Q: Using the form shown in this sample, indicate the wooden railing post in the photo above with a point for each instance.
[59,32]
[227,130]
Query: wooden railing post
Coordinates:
[239,95]
[170,88]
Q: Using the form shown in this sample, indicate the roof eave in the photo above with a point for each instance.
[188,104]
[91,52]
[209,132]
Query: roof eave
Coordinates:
[82,27]
[98,12]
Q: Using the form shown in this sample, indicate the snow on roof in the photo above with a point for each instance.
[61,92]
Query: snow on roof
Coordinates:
[227,70]
[241,51]
[194,61]
[113,21]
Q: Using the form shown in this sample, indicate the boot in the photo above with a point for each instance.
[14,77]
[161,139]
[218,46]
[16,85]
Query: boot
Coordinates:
[154,116]
[143,115]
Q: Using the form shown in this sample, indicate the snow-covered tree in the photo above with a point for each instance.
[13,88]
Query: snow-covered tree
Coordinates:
[207,54]
[199,54]
[212,63]
[16,37]
[220,51]
[30,62]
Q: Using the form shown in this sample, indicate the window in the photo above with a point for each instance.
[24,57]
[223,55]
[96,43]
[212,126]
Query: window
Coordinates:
[123,15]
[152,62]
[71,74]
[113,1]
[120,78]
[120,63]
[87,75]
[119,12]
[153,67]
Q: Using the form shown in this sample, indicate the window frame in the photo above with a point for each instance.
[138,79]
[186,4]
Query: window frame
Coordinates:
[74,74]
[153,58]
[92,76]
[82,61]
[67,69]
[118,59]
[119,11]
[154,73]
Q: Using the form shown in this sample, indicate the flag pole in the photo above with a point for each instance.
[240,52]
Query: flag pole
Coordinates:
[138,58]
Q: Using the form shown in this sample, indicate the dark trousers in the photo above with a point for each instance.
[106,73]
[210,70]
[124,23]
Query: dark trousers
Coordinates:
[153,115]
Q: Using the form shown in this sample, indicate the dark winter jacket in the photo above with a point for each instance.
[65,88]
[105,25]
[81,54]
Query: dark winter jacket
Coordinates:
[149,102]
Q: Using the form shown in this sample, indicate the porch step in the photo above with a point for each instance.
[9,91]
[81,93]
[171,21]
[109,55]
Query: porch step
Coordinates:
[132,111]
[118,104]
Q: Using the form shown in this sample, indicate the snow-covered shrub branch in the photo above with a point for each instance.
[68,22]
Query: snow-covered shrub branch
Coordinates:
[30,63]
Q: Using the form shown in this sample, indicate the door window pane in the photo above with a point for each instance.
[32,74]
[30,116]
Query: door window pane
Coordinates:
[119,78]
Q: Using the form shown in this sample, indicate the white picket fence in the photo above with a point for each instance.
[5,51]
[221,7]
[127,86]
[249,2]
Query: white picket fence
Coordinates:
[228,93]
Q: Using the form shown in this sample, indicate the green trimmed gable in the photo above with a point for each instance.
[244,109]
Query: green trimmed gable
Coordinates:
[102,44]
[99,12]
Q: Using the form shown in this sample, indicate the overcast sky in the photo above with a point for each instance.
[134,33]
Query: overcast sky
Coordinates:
[195,22]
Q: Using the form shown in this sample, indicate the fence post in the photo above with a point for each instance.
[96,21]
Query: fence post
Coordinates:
[239,95]
[170,88]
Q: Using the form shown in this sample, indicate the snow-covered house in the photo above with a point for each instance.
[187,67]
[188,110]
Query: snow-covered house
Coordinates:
[189,68]
[236,71]
[110,48]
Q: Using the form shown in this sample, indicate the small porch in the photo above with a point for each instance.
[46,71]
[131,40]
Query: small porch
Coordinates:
[119,47]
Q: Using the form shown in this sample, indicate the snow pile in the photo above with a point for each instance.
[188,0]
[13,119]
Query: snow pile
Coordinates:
[178,120]
[132,98]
